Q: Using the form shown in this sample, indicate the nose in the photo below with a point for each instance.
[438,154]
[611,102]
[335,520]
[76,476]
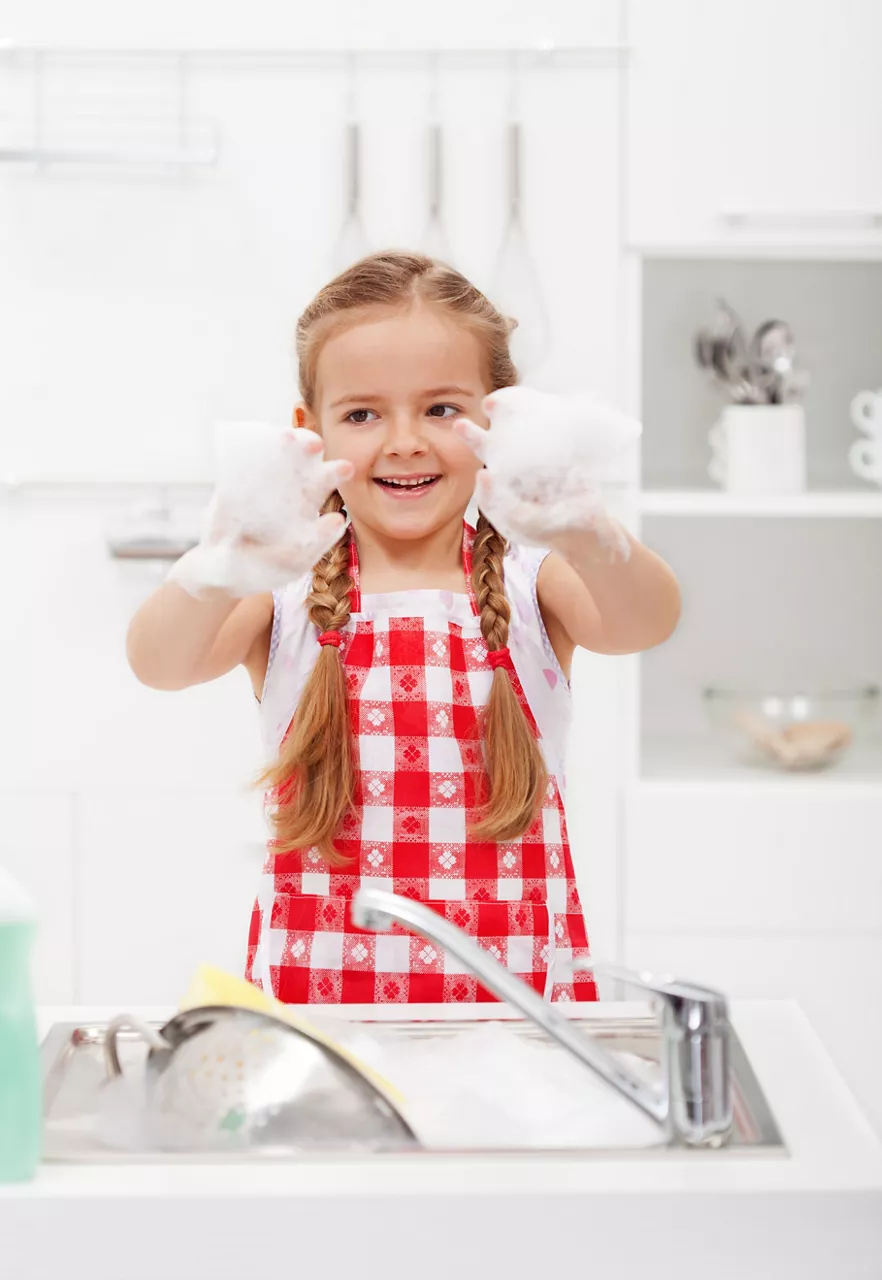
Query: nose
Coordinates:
[404,436]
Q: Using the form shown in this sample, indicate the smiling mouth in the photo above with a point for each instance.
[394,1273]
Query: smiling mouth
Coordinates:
[407,484]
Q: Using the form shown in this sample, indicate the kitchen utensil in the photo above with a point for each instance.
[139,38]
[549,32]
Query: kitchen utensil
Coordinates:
[729,353]
[761,372]
[352,242]
[221,1078]
[759,448]
[516,288]
[793,731]
[772,360]
[211,986]
[435,242]
[721,349]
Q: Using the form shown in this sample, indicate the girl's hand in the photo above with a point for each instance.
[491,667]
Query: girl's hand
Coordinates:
[545,459]
[262,528]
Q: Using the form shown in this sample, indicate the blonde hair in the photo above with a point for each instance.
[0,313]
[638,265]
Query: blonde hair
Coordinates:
[314,779]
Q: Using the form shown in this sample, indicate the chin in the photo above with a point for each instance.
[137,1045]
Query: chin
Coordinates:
[410,524]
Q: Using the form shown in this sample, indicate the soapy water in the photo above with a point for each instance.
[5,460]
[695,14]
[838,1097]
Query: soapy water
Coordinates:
[531,429]
[488,1088]
[495,1088]
[547,458]
[262,529]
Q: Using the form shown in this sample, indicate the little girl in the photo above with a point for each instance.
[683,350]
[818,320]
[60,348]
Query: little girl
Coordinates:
[411,671]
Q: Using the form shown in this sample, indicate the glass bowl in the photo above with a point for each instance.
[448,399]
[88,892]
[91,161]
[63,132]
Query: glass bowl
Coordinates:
[796,731]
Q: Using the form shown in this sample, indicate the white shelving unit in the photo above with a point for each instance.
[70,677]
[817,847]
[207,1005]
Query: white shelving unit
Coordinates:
[681,763]
[765,883]
[699,502]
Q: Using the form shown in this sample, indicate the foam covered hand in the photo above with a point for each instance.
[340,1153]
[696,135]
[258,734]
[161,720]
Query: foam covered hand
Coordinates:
[262,527]
[546,457]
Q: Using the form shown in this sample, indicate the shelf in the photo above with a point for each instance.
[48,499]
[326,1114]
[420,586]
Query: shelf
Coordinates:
[834,245]
[844,504]
[684,763]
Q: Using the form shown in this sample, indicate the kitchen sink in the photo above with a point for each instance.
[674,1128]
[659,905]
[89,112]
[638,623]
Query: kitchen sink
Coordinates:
[75,1074]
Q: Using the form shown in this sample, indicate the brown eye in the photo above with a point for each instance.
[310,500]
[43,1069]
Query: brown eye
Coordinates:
[359,416]
[443,408]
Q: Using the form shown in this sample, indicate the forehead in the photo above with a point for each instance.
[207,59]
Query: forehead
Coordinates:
[399,352]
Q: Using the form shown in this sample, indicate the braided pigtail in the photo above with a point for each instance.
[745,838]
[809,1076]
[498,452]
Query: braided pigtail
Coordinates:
[314,778]
[516,769]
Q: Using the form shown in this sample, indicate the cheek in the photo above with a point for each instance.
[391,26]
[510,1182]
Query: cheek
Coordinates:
[459,459]
[348,445]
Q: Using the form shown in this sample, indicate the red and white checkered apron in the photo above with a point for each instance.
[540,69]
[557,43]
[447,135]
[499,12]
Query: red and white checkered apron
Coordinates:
[416,687]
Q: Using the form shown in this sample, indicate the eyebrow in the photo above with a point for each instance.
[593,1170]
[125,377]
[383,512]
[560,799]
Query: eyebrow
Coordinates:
[428,395]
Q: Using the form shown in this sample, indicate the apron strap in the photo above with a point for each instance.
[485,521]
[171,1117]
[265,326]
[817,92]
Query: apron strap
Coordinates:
[468,539]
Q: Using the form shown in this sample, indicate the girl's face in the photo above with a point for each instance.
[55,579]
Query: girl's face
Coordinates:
[388,389]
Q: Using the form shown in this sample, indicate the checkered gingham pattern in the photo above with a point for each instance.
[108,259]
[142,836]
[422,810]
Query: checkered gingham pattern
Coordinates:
[415,696]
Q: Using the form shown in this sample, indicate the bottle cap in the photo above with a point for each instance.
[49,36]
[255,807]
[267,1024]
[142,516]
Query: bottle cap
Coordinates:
[16,905]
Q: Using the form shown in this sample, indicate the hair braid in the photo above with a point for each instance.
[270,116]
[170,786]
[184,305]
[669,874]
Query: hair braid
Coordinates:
[314,778]
[516,769]
[328,602]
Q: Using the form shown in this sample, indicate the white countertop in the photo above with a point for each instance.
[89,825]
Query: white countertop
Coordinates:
[829,1182]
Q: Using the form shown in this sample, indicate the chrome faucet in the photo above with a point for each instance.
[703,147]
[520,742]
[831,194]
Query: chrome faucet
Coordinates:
[693,1105]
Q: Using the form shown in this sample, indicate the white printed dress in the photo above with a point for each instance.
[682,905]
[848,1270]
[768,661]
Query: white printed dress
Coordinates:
[417,678]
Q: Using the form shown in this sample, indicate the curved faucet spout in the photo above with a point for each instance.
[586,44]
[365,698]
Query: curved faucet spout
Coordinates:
[378,910]
[694,1104]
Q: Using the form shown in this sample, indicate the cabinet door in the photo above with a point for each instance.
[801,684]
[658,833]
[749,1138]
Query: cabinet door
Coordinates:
[755,123]
[36,847]
[165,881]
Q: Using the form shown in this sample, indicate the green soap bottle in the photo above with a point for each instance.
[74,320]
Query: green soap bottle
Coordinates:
[21,1119]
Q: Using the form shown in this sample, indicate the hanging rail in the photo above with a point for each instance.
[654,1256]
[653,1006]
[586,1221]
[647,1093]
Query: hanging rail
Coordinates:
[540,55]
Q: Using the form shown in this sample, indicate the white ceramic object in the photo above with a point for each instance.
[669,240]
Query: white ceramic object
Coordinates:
[759,449]
[865,456]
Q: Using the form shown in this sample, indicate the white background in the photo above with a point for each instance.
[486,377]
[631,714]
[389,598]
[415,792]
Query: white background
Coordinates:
[136,306]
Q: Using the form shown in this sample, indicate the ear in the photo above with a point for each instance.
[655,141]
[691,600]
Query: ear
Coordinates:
[304,417]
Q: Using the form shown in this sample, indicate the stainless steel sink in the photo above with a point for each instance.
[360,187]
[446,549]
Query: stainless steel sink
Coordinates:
[74,1074]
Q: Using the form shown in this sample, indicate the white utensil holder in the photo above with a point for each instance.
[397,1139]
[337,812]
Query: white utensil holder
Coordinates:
[759,449]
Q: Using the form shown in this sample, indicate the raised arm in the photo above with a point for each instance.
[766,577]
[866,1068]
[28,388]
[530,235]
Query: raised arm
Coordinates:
[175,641]
[262,530]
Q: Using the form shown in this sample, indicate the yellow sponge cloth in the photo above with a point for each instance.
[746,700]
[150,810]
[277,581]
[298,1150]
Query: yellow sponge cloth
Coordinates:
[210,986]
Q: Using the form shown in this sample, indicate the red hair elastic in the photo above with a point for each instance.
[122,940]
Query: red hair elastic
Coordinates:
[331,637]
[499,658]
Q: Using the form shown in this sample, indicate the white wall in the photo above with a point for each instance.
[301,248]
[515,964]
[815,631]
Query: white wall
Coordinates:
[136,306]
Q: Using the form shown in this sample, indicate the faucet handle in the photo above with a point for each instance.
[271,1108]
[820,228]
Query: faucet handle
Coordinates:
[673,991]
[695,1048]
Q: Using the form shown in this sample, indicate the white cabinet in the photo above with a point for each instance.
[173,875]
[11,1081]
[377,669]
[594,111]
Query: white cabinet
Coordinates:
[755,123]
[36,847]
[165,881]
[729,859]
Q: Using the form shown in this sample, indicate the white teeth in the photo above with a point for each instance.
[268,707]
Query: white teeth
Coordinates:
[409,484]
